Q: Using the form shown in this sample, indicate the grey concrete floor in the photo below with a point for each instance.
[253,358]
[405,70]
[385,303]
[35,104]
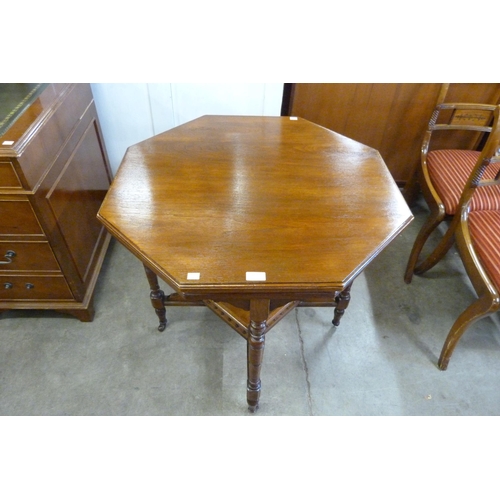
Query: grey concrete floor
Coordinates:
[381,360]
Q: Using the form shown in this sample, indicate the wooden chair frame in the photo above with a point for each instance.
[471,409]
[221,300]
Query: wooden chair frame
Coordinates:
[437,209]
[488,300]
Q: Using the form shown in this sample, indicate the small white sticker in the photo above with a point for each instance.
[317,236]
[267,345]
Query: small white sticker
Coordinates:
[256,276]
[7,143]
[193,276]
[293,118]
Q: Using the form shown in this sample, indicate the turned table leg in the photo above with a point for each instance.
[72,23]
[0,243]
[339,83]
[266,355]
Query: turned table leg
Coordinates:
[342,301]
[157,298]
[259,312]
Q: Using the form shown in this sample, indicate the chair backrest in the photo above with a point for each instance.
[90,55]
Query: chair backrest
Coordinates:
[459,116]
[490,156]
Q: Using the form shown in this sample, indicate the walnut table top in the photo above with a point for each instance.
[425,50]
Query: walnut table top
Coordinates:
[253,216]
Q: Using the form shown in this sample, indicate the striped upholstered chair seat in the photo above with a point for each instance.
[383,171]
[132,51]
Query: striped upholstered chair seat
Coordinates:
[444,173]
[484,229]
[478,240]
[449,170]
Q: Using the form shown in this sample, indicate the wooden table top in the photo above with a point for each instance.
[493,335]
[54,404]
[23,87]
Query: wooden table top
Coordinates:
[226,195]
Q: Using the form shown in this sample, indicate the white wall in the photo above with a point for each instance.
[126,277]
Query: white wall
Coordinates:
[132,112]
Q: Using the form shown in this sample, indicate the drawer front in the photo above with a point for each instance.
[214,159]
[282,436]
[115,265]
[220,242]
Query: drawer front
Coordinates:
[8,176]
[27,256]
[17,218]
[34,288]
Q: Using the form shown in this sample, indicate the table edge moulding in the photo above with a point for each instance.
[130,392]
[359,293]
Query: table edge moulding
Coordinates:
[253,217]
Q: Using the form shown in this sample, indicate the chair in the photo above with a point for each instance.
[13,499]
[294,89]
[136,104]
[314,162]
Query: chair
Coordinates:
[444,172]
[478,241]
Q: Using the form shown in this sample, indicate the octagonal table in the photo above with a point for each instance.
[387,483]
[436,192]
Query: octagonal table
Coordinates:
[252,217]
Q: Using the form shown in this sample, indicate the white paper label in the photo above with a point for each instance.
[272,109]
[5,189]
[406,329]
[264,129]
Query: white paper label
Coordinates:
[293,118]
[193,276]
[256,276]
[7,143]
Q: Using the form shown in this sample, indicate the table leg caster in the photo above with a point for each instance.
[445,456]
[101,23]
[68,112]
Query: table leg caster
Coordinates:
[253,409]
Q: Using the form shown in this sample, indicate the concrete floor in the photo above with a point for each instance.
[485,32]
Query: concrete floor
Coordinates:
[381,360]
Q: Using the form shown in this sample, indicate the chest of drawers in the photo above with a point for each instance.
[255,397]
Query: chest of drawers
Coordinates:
[54,174]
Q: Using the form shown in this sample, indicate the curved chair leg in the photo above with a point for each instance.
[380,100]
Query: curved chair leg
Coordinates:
[432,222]
[439,252]
[482,307]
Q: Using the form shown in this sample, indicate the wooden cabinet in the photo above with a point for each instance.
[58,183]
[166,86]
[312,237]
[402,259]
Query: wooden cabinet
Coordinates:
[54,174]
[390,117]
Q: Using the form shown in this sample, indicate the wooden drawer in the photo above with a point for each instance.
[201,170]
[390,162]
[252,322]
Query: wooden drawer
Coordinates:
[8,176]
[29,256]
[53,178]
[17,218]
[34,288]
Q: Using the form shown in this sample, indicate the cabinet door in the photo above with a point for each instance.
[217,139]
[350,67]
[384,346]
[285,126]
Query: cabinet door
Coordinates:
[77,194]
